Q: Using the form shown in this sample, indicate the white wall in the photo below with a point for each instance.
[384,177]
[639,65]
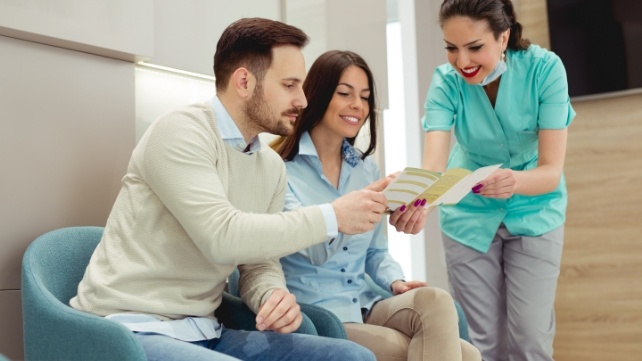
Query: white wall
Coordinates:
[120,29]
[186,32]
[422,46]
[334,25]
[67,120]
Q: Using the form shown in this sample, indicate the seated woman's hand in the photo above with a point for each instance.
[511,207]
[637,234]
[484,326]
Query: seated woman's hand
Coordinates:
[400,286]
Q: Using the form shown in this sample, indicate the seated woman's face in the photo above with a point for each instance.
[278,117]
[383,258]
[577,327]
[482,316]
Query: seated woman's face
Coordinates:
[349,108]
[472,48]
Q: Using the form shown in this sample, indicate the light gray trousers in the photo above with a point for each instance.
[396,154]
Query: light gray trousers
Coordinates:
[508,293]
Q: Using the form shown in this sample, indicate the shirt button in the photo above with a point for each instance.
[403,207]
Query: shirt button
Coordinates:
[345,248]
[354,300]
[349,281]
[343,270]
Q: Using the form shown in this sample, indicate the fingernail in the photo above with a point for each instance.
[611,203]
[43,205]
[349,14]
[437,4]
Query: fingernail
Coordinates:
[423,203]
[477,188]
[417,202]
[403,208]
[475,191]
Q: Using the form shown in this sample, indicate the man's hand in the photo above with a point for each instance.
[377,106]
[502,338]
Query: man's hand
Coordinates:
[381,184]
[398,287]
[358,211]
[279,313]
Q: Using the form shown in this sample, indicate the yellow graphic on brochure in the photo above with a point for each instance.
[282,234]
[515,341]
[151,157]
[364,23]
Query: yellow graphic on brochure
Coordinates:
[437,188]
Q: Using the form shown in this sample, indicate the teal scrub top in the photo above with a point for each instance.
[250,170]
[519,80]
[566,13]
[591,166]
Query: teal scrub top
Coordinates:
[532,95]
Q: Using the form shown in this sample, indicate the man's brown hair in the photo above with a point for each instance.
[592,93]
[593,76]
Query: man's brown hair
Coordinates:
[248,43]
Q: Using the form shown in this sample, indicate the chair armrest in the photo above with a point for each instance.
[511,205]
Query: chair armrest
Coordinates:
[235,314]
[463,323]
[376,288]
[49,326]
[327,323]
[47,336]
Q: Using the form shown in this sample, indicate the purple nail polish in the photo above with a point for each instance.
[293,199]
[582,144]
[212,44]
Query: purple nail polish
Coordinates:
[423,203]
[403,208]
[476,191]
[417,202]
[477,188]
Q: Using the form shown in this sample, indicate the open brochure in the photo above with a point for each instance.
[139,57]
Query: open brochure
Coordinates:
[437,188]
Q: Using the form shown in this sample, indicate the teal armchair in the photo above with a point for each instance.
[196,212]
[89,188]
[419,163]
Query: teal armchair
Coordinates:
[52,267]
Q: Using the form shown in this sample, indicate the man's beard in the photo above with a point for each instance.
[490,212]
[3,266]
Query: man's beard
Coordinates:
[259,113]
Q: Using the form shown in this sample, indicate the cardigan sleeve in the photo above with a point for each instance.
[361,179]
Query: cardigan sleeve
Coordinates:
[258,281]
[179,164]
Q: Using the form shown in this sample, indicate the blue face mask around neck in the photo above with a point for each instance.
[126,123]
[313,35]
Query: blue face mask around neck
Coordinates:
[500,69]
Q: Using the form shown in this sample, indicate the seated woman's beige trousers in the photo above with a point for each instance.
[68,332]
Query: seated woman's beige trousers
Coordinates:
[420,324]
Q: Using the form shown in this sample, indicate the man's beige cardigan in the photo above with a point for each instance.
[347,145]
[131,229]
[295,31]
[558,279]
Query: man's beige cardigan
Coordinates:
[191,209]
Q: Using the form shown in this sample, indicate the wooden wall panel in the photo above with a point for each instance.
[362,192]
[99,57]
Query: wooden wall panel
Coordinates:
[599,295]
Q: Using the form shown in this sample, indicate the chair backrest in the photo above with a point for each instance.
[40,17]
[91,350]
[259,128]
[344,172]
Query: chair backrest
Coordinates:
[58,260]
[233,283]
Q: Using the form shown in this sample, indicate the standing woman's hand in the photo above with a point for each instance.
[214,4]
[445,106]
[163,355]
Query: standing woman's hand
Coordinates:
[500,184]
[411,219]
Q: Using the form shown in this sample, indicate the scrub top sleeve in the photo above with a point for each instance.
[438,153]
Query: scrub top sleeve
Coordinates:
[440,106]
[555,106]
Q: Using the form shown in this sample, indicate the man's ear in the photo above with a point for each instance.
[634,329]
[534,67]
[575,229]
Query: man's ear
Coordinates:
[243,82]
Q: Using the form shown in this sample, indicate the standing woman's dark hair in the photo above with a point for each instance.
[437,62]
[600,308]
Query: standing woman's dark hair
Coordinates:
[319,87]
[499,14]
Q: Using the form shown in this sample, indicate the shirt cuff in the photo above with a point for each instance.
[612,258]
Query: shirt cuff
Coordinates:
[331,226]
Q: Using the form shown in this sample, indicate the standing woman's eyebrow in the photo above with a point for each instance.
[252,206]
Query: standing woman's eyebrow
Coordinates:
[467,44]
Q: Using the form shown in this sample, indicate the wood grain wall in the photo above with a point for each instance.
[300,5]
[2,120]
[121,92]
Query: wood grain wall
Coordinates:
[599,296]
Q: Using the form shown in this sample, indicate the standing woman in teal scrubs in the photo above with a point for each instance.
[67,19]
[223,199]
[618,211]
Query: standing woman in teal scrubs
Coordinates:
[506,100]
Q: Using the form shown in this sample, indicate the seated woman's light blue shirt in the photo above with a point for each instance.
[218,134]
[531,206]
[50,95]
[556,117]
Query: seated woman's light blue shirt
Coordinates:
[532,95]
[331,275]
